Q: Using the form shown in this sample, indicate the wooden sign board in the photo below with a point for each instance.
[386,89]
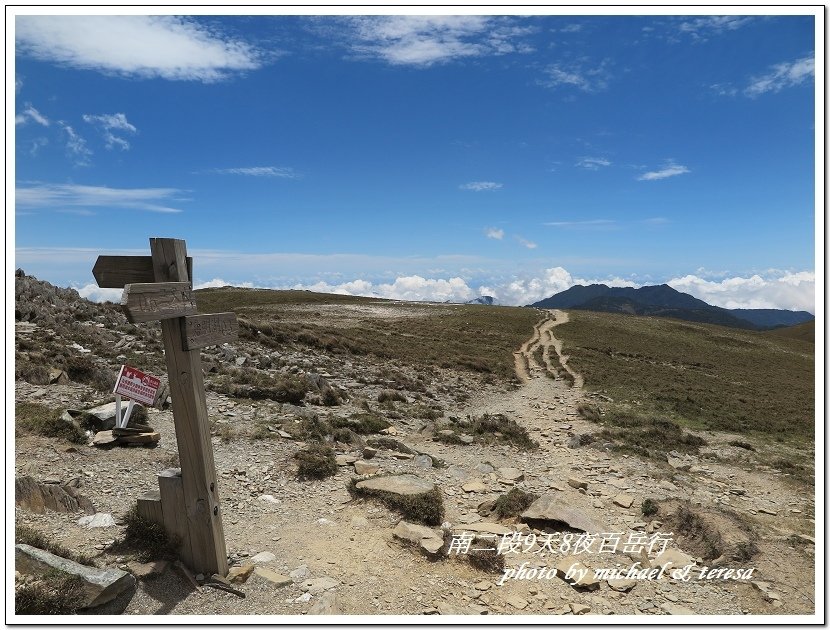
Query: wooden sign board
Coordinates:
[136,385]
[154,301]
[114,272]
[209,330]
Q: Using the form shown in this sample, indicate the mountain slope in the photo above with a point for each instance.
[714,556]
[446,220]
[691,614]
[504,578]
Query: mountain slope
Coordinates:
[664,301]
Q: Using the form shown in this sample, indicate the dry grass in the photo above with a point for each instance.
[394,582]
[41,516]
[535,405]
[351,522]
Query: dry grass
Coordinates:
[28,536]
[424,335]
[46,421]
[698,375]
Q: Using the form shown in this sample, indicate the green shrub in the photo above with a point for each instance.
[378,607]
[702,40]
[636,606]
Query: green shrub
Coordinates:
[362,423]
[316,462]
[44,421]
[648,436]
[649,507]
[514,502]
[427,507]
[493,427]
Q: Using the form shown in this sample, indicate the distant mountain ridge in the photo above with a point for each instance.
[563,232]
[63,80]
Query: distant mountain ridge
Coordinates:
[486,300]
[664,301]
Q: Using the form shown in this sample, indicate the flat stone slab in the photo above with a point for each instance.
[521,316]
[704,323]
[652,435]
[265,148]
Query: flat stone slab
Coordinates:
[407,485]
[365,468]
[475,486]
[318,585]
[673,558]
[624,500]
[101,519]
[99,585]
[427,539]
[484,528]
[576,574]
[549,507]
[272,576]
[511,474]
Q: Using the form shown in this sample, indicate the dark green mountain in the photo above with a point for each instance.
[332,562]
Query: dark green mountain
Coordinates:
[664,301]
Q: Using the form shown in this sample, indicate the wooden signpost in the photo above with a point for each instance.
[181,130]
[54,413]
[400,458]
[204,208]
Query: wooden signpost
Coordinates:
[158,288]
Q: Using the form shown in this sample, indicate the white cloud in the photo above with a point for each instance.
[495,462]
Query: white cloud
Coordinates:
[95,293]
[30,113]
[782,75]
[109,123]
[670,170]
[593,163]
[494,233]
[166,47]
[218,282]
[769,289]
[792,291]
[75,145]
[526,243]
[413,288]
[579,75]
[57,196]
[36,145]
[699,27]
[422,41]
[480,186]
[259,171]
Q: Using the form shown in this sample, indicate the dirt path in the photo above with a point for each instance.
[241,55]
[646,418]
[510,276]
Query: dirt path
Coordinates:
[316,530]
[544,344]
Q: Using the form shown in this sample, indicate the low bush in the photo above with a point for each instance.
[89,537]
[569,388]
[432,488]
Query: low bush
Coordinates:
[649,507]
[498,427]
[648,436]
[514,502]
[45,421]
[427,507]
[148,540]
[362,423]
[316,462]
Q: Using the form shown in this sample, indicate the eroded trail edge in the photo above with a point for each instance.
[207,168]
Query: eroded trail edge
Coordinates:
[541,355]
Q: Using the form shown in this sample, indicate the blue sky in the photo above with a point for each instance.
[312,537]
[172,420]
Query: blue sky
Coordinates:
[424,157]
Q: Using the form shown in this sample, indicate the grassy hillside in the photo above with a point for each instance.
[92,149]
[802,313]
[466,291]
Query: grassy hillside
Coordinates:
[473,337]
[802,332]
[701,375]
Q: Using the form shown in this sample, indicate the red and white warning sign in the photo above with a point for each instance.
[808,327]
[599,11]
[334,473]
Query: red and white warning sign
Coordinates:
[136,385]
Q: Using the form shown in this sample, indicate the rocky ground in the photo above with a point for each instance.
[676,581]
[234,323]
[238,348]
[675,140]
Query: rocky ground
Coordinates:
[317,549]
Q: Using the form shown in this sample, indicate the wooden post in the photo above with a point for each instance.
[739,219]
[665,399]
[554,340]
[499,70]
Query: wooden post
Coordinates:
[200,489]
[159,288]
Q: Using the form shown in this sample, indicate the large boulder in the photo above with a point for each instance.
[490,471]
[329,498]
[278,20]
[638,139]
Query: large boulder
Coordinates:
[404,485]
[550,507]
[426,539]
[99,585]
[40,497]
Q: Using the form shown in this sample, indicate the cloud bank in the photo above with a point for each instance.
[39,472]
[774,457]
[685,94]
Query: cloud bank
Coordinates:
[134,46]
[774,289]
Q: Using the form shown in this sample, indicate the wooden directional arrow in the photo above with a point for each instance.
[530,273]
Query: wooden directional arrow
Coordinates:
[114,272]
[153,301]
[209,330]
